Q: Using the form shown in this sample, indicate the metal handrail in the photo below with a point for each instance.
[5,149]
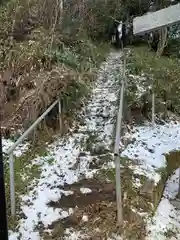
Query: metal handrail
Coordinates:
[20,139]
[26,133]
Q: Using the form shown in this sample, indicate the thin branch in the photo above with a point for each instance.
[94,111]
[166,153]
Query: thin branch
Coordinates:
[58,10]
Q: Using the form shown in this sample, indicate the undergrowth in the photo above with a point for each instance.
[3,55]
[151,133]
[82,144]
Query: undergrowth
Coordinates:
[43,59]
[163,72]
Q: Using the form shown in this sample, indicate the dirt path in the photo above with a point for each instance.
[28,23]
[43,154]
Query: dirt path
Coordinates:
[75,158]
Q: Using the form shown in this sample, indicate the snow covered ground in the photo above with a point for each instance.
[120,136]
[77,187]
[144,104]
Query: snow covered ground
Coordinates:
[165,224]
[150,146]
[21,148]
[98,117]
[149,149]
[98,123]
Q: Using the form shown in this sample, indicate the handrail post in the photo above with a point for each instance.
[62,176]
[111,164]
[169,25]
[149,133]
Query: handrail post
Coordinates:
[153,108]
[11,149]
[116,147]
[60,115]
[12,184]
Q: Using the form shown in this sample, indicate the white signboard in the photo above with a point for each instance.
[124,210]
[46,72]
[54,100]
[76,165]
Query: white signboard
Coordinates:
[155,20]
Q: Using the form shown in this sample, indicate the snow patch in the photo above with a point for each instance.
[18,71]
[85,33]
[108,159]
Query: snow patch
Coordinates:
[67,193]
[70,234]
[150,146]
[167,216]
[137,183]
[146,170]
[115,237]
[85,218]
[19,150]
[85,190]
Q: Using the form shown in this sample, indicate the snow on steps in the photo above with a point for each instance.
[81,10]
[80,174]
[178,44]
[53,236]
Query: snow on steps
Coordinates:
[149,148]
[98,117]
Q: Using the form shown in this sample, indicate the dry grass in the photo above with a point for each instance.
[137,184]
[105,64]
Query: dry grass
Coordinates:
[40,61]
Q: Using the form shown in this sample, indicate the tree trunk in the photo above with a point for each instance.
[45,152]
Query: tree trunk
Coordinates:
[163,32]
[163,39]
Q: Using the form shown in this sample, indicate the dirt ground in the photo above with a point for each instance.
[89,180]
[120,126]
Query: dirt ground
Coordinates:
[94,212]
